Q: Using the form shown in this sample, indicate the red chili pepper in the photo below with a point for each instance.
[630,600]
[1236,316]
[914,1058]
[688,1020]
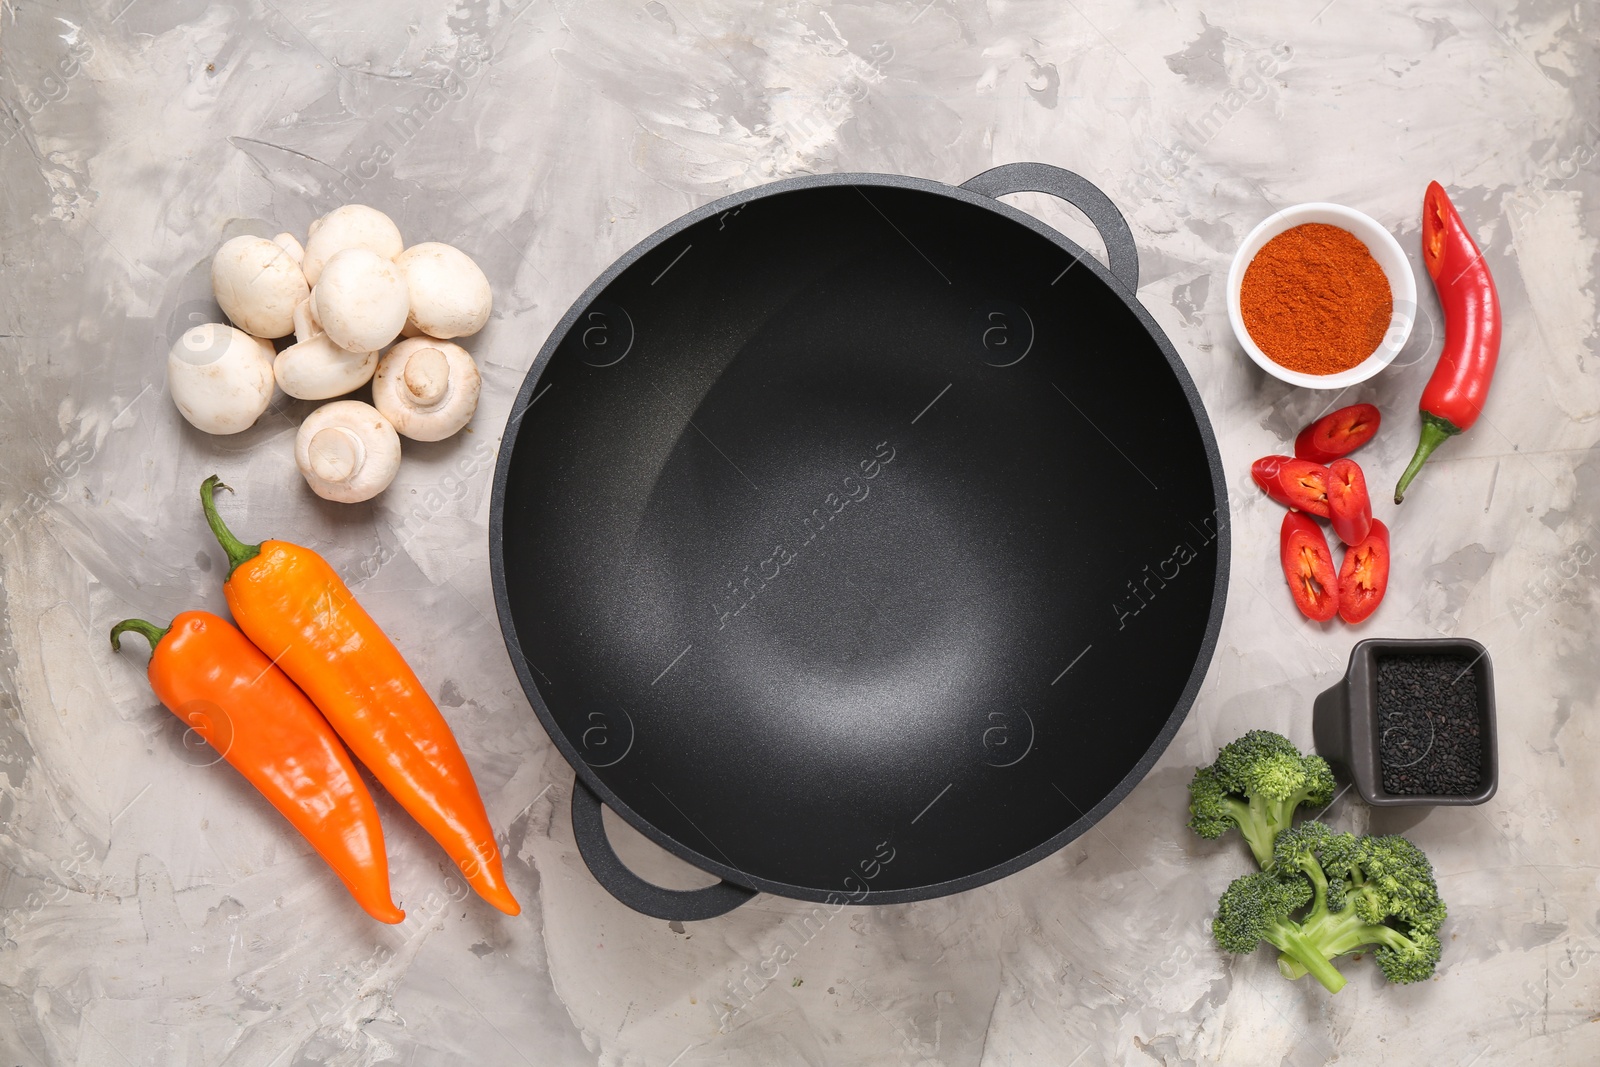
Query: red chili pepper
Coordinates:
[1364,575]
[210,676]
[1295,483]
[1308,567]
[1455,394]
[1349,506]
[1337,433]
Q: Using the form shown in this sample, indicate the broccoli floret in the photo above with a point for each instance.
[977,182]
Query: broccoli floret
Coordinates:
[1256,784]
[1393,891]
[1261,907]
[1255,906]
[1362,891]
[1321,854]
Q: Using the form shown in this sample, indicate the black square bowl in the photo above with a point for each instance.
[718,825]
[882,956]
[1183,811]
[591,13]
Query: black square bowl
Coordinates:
[1347,729]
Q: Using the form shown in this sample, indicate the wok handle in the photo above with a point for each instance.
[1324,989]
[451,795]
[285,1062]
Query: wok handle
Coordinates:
[1081,193]
[683,905]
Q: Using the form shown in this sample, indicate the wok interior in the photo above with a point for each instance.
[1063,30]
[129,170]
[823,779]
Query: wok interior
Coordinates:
[854,544]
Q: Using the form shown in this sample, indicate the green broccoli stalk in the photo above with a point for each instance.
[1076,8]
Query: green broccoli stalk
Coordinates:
[1366,891]
[1256,784]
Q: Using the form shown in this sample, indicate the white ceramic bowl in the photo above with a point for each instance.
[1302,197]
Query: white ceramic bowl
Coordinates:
[1384,248]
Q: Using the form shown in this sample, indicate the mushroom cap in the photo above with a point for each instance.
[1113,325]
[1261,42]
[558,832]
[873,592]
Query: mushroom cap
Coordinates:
[427,388]
[289,244]
[257,285]
[318,369]
[449,294]
[360,300]
[347,451]
[220,377]
[351,226]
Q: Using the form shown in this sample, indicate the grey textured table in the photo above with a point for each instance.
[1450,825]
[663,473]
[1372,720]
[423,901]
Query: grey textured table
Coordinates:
[155,913]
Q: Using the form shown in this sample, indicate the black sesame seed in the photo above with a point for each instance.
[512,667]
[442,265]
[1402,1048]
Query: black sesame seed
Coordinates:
[1428,725]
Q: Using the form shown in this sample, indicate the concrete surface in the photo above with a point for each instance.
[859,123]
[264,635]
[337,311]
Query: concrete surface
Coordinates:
[154,912]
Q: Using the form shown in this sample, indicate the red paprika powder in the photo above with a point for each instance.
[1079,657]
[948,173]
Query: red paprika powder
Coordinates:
[1314,299]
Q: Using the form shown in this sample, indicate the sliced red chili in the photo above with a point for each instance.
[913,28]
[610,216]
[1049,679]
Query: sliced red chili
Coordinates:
[1295,483]
[1308,567]
[1349,506]
[1364,575]
[1337,433]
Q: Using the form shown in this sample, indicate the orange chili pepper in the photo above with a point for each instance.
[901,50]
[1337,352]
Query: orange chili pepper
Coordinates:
[293,605]
[209,676]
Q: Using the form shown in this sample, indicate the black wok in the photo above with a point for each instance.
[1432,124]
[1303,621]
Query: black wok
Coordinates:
[859,539]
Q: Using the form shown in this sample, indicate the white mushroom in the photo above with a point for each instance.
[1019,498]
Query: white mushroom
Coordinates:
[450,297]
[314,368]
[360,300]
[318,369]
[427,388]
[257,285]
[347,451]
[220,377]
[287,242]
[351,226]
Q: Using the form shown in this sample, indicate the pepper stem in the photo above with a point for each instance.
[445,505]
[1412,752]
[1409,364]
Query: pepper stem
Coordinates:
[1435,432]
[238,552]
[149,630]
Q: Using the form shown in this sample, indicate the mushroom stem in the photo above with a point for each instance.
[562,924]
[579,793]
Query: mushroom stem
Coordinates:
[305,324]
[336,453]
[427,376]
